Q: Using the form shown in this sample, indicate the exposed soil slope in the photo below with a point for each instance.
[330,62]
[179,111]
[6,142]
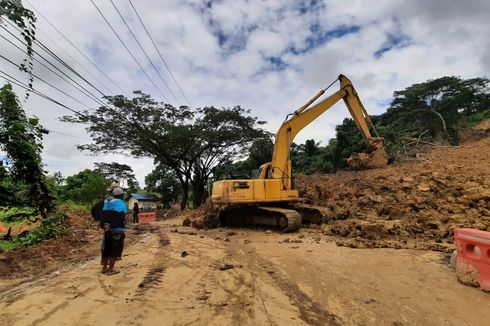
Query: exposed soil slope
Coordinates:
[410,204]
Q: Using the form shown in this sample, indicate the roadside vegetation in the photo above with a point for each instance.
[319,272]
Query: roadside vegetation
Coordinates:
[191,147]
[432,112]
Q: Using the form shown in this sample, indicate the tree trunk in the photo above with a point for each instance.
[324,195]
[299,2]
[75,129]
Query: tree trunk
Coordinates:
[442,120]
[185,194]
[199,187]
[198,193]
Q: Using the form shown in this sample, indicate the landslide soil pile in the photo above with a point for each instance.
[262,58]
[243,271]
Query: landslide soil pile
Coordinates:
[409,205]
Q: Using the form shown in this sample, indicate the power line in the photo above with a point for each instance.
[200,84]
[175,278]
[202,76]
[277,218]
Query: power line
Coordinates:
[142,49]
[80,88]
[76,48]
[65,134]
[56,57]
[74,60]
[17,82]
[48,83]
[129,51]
[66,65]
[161,56]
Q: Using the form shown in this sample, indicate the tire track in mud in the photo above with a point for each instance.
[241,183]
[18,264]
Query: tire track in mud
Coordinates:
[48,314]
[231,287]
[155,273]
[310,311]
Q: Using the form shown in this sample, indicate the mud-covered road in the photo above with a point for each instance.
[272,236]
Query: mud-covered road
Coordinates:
[305,280]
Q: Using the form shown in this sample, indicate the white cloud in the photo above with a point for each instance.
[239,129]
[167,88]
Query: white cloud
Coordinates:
[439,38]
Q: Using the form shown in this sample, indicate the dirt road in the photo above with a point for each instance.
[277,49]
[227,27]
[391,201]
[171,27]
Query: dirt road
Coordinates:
[305,280]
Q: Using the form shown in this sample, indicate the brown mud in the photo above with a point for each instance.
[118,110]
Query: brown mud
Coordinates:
[409,205]
[413,204]
[271,279]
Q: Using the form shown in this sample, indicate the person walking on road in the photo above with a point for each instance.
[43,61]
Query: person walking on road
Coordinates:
[114,219]
[136,211]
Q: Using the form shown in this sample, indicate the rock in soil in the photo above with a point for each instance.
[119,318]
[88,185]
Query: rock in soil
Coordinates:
[226,266]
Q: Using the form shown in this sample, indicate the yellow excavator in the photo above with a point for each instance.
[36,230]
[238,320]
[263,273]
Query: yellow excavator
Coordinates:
[269,200]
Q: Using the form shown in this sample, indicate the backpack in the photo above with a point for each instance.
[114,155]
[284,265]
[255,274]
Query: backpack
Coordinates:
[97,210]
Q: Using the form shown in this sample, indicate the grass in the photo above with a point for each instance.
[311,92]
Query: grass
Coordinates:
[74,206]
[474,119]
[51,227]
[14,215]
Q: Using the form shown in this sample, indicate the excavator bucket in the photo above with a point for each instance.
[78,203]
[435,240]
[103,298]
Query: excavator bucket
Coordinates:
[374,157]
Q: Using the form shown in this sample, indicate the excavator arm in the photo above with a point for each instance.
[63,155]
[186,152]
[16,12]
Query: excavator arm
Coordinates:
[280,166]
[268,199]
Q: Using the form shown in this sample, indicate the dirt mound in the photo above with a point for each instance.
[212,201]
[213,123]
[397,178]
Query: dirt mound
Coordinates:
[375,158]
[203,218]
[407,205]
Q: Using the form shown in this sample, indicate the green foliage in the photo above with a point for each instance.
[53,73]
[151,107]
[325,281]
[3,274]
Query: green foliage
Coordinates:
[12,193]
[260,152]
[163,181]
[438,109]
[309,158]
[25,21]
[473,119]
[190,142]
[70,206]
[85,187]
[51,227]
[437,106]
[14,215]
[21,139]
[121,173]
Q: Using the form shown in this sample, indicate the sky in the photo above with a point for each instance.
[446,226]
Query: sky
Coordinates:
[268,56]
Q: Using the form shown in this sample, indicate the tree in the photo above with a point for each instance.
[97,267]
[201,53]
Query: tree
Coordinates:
[437,106]
[191,142]
[311,147]
[121,173]
[260,152]
[85,187]
[25,21]
[21,139]
[224,134]
[55,184]
[163,181]
[12,193]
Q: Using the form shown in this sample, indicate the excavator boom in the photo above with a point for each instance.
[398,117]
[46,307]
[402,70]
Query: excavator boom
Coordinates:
[280,164]
[274,186]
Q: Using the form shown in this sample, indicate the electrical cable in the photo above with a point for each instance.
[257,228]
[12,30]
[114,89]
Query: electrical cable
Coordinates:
[48,83]
[76,48]
[65,134]
[159,53]
[144,51]
[17,82]
[51,53]
[100,83]
[129,51]
[83,90]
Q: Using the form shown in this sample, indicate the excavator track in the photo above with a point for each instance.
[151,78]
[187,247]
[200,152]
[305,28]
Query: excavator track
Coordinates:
[286,220]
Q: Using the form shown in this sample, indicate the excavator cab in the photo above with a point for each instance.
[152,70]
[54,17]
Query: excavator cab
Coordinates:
[270,193]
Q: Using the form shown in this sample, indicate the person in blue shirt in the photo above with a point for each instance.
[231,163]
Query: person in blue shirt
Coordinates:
[114,220]
[97,213]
